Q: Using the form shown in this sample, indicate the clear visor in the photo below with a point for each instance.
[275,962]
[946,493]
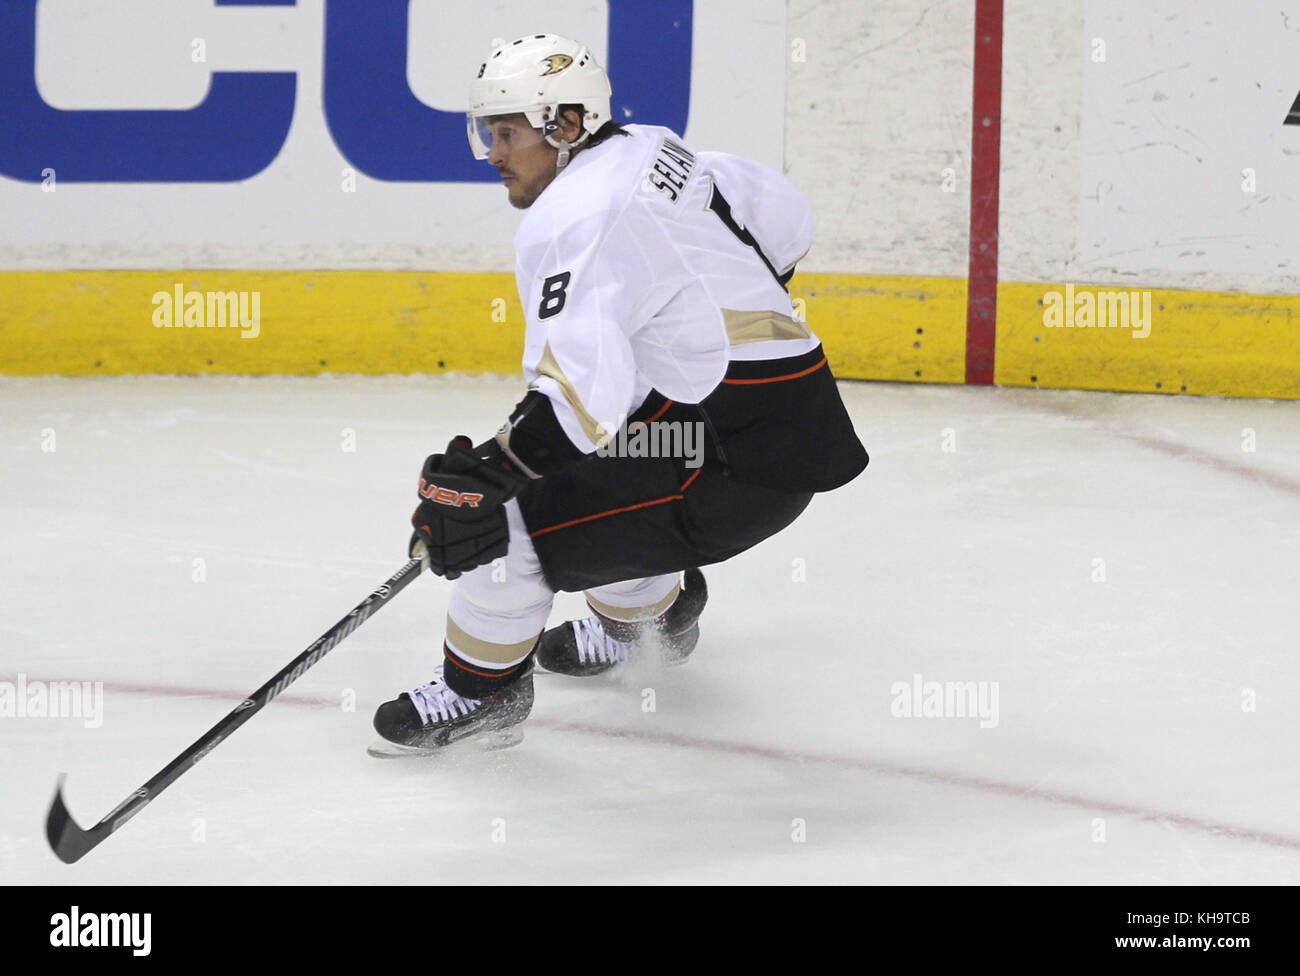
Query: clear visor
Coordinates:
[511,132]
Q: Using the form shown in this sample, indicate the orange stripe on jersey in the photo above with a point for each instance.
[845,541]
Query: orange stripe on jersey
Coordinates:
[612,511]
[616,511]
[659,413]
[778,379]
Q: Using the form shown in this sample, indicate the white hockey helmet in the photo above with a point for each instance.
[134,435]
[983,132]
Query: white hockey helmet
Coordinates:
[535,75]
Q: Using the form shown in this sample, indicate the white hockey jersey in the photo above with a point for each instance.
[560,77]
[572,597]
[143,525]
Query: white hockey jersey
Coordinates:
[647,265]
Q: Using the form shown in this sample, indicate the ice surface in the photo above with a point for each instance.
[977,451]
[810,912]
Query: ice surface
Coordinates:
[1146,724]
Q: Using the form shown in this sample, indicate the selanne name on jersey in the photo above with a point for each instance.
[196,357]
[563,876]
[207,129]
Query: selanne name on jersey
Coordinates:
[672,168]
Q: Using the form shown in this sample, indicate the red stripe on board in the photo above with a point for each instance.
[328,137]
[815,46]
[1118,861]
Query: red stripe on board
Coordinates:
[985,161]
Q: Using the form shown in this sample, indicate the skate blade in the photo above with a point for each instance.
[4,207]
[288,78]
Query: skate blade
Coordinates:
[481,742]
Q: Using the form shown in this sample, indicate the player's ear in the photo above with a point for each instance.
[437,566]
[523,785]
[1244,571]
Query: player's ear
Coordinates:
[571,124]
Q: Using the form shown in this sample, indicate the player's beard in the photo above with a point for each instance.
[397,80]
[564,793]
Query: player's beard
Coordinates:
[523,195]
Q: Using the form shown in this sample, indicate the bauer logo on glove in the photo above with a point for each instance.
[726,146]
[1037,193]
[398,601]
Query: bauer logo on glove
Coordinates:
[461,518]
[449,496]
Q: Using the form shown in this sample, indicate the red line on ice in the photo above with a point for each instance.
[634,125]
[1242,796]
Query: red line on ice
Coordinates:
[750,751]
[174,691]
[1184,452]
[962,780]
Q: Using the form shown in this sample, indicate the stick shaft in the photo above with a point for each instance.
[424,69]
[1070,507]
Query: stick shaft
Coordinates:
[242,712]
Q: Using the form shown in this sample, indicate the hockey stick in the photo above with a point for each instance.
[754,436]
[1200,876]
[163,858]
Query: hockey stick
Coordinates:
[70,842]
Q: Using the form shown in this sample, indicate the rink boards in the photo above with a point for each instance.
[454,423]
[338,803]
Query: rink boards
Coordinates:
[875,327]
[1135,224]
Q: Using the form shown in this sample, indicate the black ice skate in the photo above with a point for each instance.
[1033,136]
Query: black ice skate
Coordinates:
[595,644]
[431,717]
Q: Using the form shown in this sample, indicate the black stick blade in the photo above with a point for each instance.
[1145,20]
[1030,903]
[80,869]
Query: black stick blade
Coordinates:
[68,841]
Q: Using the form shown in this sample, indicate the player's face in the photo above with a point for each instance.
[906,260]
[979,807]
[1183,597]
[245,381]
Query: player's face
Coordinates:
[525,160]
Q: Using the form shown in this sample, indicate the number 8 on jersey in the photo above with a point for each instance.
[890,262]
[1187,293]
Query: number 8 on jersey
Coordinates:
[553,295]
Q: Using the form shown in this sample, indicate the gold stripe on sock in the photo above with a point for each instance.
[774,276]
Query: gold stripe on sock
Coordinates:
[498,655]
[633,614]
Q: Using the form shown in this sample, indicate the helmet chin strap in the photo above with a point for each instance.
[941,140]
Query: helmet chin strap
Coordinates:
[565,149]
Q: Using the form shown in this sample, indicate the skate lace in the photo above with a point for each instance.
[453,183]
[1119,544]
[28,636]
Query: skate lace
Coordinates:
[434,700]
[594,645]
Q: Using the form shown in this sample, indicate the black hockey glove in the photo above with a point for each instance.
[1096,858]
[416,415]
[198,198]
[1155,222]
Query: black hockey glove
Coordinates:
[461,520]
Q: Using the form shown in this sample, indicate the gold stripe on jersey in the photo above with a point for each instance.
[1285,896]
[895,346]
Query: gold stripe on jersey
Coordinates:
[483,651]
[743,327]
[549,366]
[633,614]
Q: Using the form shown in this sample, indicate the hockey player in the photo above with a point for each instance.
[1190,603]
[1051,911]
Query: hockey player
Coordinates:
[653,278]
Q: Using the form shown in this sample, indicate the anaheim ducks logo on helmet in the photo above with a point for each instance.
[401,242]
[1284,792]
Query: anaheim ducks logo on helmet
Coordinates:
[535,75]
[557,62]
